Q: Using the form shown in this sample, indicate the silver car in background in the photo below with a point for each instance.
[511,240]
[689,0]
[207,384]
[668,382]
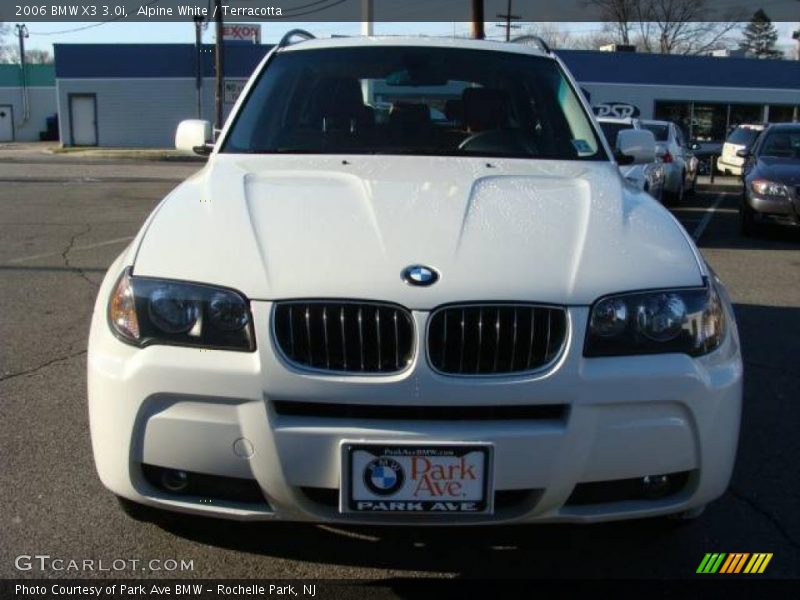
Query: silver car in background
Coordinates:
[679,163]
[647,177]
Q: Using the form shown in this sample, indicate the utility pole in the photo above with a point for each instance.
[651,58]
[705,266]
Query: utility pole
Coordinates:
[22,33]
[477,20]
[198,58]
[220,60]
[796,38]
[367,18]
[508,18]
[367,29]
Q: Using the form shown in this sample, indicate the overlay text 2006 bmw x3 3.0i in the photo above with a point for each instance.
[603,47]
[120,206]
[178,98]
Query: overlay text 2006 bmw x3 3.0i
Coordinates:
[411,286]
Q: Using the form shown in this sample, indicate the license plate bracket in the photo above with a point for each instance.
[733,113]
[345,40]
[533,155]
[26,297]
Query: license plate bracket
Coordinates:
[417,478]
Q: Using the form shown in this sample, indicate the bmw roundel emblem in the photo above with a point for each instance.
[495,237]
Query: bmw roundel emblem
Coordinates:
[384,476]
[420,275]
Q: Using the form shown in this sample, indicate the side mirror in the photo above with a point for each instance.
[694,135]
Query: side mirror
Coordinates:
[743,153]
[193,135]
[638,146]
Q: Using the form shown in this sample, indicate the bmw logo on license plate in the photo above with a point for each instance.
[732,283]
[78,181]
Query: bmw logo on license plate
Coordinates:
[384,476]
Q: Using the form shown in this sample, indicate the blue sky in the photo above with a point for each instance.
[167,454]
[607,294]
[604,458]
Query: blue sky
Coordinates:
[43,35]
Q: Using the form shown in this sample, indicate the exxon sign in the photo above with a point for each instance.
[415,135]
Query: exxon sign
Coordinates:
[242,32]
[619,110]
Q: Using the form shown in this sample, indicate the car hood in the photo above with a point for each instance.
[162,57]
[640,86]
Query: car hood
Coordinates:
[277,227]
[781,170]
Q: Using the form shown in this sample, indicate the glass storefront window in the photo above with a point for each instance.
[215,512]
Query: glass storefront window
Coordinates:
[679,113]
[710,122]
[782,113]
[746,113]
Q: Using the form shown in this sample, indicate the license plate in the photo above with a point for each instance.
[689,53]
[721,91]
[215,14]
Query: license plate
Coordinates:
[416,478]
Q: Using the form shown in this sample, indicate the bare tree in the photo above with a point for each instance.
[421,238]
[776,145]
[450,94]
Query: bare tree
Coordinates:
[593,40]
[551,33]
[34,56]
[619,16]
[5,29]
[669,26]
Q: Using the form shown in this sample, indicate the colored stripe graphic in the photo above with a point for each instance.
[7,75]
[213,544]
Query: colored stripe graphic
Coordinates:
[727,564]
[722,563]
[758,563]
[741,562]
[735,563]
[703,563]
[711,562]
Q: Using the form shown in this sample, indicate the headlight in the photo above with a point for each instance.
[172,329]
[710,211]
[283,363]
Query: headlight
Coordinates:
[144,311]
[689,321]
[764,187]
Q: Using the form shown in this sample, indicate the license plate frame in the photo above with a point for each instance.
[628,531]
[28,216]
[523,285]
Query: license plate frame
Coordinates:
[353,495]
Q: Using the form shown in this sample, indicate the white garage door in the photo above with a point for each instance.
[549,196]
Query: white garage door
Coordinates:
[6,123]
[84,120]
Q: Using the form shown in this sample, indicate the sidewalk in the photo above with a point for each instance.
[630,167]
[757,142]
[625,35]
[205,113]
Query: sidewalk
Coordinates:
[26,151]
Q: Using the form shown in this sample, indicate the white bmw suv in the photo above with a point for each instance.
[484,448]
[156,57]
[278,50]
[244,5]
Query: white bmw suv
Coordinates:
[411,286]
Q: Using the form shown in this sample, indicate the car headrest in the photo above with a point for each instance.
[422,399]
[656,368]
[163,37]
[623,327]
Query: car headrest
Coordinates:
[409,113]
[454,109]
[338,97]
[485,108]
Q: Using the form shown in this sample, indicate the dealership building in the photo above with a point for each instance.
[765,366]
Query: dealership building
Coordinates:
[134,95]
[27,104]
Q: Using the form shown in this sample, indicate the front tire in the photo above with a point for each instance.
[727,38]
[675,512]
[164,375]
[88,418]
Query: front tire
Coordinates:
[692,186]
[676,198]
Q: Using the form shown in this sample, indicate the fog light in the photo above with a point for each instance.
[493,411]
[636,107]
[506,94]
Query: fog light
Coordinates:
[174,481]
[655,486]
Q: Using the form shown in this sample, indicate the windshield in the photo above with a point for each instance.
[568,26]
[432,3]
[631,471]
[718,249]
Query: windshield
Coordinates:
[660,131]
[743,136]
[411,100]
[783,144]
[611,130]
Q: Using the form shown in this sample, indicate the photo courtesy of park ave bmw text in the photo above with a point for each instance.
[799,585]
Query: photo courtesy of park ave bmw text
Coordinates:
[369,299]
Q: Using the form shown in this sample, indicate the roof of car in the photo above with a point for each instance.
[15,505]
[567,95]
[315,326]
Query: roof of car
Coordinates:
[420,41]
[654,122]
[620,120]
[779,126]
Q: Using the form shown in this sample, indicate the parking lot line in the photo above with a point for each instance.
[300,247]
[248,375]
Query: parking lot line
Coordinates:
[701,227]
[76,248]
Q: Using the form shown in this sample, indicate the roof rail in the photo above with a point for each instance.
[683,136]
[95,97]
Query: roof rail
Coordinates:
[286,40]
[527,39]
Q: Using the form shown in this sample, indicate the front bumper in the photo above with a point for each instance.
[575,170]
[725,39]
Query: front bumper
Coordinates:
[782,211]
[730,166]
[195,410]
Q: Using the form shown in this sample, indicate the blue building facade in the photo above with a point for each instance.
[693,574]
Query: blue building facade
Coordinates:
[134,95]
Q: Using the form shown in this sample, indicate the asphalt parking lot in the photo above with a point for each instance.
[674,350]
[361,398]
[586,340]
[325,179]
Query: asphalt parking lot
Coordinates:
[62,222]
